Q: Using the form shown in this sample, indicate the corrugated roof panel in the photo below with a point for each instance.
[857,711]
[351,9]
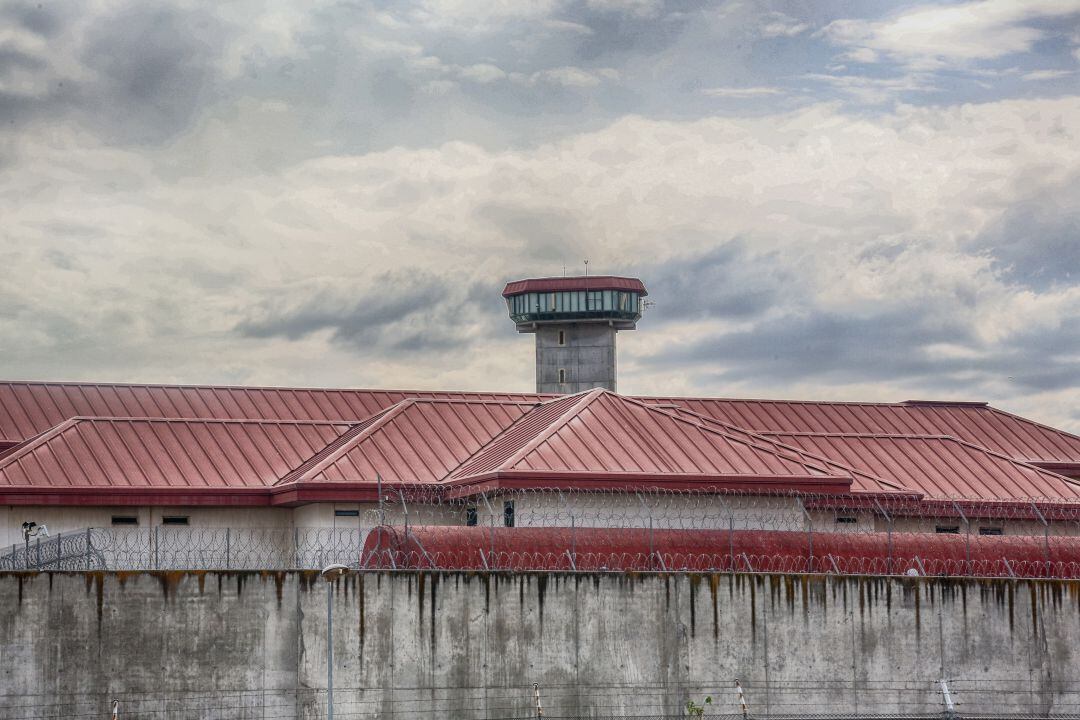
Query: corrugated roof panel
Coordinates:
[599,432]
[976,423]
[96,453]
[415,441]
[939,466]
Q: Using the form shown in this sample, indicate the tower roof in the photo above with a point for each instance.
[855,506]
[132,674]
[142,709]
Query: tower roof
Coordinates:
[580,282]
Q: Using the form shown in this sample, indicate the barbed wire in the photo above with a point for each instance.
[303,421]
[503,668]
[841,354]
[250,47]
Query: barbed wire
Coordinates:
[703,530]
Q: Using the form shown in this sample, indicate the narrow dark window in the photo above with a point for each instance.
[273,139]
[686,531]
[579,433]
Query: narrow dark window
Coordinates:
[562,337]
[125,520]
[508,513]
[990,531]
[562,376]
[947,529]
[846,520]
[470,516]
[346,513]
[172,520]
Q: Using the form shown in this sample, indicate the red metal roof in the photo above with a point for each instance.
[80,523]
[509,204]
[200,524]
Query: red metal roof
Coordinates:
[976,423]
[416,441]
[123,454]
[937,466]
[599,434]
[567,284]
[29,408]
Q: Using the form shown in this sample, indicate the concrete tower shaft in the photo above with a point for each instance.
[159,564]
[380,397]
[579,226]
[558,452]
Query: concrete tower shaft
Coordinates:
[575,320]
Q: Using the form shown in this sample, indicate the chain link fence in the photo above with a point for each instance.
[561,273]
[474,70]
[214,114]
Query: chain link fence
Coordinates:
[658,530]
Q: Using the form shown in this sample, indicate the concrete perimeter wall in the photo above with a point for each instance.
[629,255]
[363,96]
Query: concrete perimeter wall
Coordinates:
[462,645]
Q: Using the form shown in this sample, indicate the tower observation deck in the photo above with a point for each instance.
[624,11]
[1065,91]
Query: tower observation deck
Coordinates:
[575,320]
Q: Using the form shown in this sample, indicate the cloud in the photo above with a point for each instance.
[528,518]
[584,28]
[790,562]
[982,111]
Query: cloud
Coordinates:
[874,90]
[929,36]
[334,194]
[778,24]
[1038,75]
[742,92]
[575,77]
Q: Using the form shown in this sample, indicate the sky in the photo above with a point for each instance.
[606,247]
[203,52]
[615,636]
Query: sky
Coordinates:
[832,200]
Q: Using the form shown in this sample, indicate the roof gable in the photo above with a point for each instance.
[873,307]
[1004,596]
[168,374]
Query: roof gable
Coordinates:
[415,441]
[599,433]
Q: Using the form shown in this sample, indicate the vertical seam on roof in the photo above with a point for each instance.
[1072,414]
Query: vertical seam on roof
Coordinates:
[127,450]
[213,436]
[111,452]
[622,410]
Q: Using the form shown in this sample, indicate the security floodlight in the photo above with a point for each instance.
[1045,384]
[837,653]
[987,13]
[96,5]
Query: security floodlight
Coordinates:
[332,572]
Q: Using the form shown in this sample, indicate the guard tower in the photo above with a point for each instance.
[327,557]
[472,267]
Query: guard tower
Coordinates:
[575,320]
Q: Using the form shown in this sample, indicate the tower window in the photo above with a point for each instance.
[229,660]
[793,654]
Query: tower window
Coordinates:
[508,513]
[562,375]
[346,513]
[947,529]
[173,520]
[470,516]
[562,337]
[125,520]
[990,531]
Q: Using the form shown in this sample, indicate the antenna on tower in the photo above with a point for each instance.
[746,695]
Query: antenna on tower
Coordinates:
[586,268]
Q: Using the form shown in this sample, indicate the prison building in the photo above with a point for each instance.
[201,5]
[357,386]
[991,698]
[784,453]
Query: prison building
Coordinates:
[82,455]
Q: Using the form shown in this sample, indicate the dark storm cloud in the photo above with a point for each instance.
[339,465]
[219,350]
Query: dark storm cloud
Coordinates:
[728,281]
[409,312]
[147,69]
[155,67]
[542,235]
[38,18]
[894,345]
[1035,244]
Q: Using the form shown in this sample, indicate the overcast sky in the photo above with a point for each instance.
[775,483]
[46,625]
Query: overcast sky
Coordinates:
[827,200]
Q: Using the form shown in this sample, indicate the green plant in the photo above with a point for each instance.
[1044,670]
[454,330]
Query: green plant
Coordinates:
[695,710]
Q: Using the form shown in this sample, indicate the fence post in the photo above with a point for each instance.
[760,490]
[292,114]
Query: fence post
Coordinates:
[88,549]
[155,542]
[37,552]
[296,547]
[228,548]
[573,542]
[809,535]
[59,537]
[731,532]
[888,519]
[1046,536]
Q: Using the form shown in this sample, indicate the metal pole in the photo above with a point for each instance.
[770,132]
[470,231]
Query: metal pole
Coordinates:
[742,698]
[950,709]
[330,650]
[536,696]
[382,511]
[1046,536]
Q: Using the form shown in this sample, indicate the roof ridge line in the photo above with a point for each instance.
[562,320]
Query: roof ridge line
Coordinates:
[586,398]
[343,443]
[799,452]
[20,449]
[674,415]
[252,421]
[288,388]
[810,433]
[534,442]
